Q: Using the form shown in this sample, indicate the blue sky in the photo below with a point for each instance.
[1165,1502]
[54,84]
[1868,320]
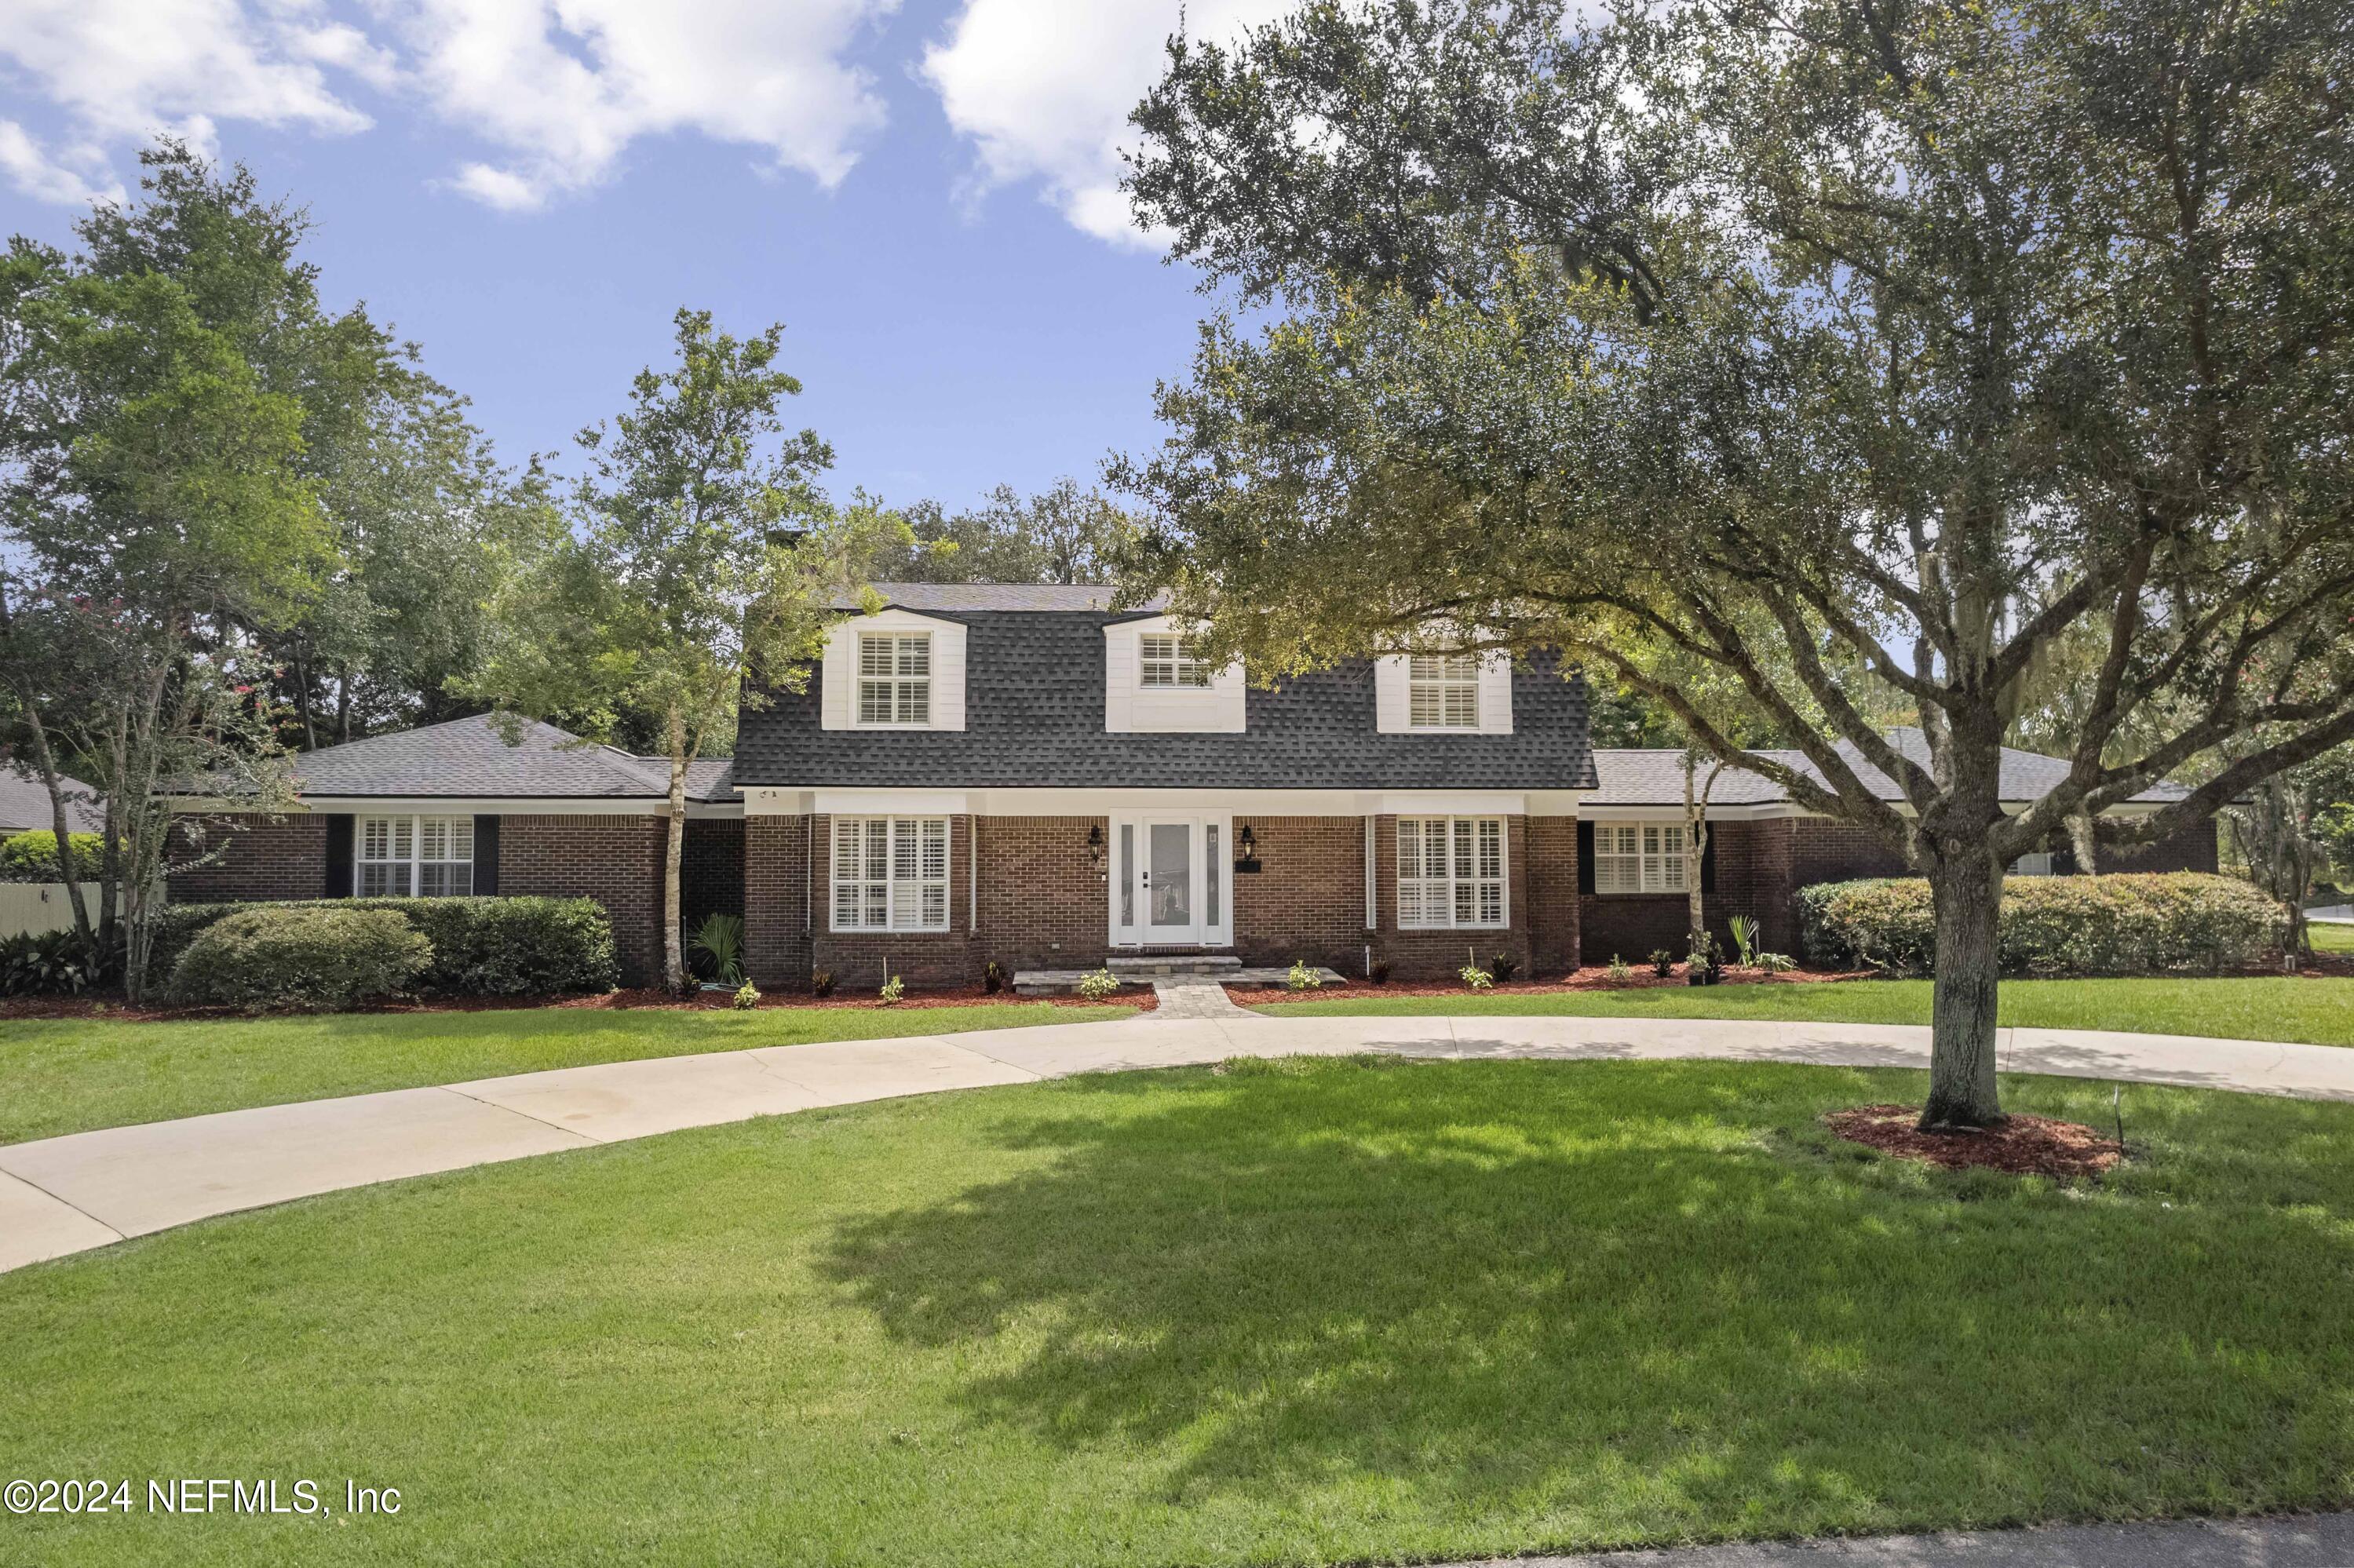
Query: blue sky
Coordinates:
[528,188]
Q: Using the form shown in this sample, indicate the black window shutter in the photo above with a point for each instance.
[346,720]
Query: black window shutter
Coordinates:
[1584,855]
[1708,862]
[486,856]
[339,858]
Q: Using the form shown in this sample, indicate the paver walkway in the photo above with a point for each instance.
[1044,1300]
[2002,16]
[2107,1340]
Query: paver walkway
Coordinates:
[2313,1541]
[68,1195]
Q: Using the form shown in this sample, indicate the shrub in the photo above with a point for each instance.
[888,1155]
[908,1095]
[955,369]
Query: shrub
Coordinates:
[719,941]
[32,857]
[49,963]
[993,976]
[748,997]
[1745,939]
[1777,963]
[1503,966]
[1475,976]
[1100,984]
[324,955]
[1302,978]
[821,982]
[1620,970]
[893,989]
[2129,923]
[1662,962]
[482,947]
[1378,971]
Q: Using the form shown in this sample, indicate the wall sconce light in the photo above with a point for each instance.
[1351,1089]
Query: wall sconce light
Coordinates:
[1094,846]
[1247,849]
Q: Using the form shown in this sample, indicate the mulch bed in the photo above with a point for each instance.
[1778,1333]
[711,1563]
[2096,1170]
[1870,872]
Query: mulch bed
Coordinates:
[1595,976]
[2022,1145]
[105,1008]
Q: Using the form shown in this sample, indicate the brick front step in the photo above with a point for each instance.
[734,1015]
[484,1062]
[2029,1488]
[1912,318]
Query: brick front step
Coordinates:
[1225,971]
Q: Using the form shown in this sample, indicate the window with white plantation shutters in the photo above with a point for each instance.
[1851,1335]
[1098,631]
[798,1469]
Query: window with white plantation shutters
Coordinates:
[890,873]
[1639,857]
[1450,871]
[894,678]
[404,857]
[1442,691]
[1167,661]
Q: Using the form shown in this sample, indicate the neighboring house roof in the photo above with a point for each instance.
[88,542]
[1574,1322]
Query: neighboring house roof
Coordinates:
[1656,777]
[25,804]
[1035,718]
[468,758]
[963,599]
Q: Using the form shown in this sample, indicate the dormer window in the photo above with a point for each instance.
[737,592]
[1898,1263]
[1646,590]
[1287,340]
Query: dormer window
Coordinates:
[1165,662]
[1443,691]
[894,678]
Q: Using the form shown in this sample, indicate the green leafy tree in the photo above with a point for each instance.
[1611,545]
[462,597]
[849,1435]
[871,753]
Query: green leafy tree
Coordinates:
[701,572]
[156,505]
[1062,535]
[1846,350]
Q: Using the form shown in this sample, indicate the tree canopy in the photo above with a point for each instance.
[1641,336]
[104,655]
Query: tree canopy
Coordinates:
[1866,357]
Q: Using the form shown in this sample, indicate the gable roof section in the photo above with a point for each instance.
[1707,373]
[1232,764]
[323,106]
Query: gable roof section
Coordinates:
[1034,719]
[1656,777]
[467,759]
[25,804]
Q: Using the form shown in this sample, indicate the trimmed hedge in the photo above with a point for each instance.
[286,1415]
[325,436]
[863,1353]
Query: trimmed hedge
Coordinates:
[33,857]
[325,955]
[481,947]
[2130,924]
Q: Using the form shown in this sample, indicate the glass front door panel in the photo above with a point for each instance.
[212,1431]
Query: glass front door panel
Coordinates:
[1169,874]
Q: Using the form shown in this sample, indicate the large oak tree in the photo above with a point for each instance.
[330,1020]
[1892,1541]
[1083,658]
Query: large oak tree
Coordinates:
[1864,353]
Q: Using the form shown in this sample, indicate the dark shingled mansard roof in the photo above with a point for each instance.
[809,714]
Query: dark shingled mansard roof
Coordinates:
[1034,717]
[1656,777]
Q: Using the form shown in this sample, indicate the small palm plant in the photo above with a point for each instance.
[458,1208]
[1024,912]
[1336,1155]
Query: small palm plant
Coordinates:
[720,939]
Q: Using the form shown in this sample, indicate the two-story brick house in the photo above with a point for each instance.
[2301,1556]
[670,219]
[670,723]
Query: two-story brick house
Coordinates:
[1021,775]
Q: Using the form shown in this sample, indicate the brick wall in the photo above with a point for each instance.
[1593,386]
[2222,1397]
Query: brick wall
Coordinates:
[1307,901]
[1753,877]
[711,869]
[258,857]
[617,860]
[776,912]
[1556,918]
[1043,903]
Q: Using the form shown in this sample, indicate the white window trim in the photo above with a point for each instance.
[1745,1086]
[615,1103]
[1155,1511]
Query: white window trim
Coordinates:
[416,860]
[1187,672]
[1455,875]
[902,896]
[860,680]
[1449,677]
[1657,868]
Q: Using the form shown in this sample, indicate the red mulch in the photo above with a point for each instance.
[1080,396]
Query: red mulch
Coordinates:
[1595,977]
[106,1007]
[2022,1145]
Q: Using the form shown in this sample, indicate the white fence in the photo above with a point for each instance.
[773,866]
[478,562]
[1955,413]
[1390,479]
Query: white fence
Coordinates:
[41,906]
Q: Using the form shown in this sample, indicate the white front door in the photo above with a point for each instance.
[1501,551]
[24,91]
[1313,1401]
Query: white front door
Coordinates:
[1169,881]
[1170,861]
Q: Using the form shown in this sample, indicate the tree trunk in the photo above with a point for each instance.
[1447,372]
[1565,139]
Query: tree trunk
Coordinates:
[302,702]
[48,762]
[344,706]
[1966,888]
[673,914]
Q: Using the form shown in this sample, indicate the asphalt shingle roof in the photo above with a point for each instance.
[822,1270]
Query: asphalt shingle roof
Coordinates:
[959,600]
[25,804]
[1656,777]
[1034,717]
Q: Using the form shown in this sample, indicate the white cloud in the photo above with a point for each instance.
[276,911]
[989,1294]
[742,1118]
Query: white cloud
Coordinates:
[72,176]
[557,90]
[1043,88]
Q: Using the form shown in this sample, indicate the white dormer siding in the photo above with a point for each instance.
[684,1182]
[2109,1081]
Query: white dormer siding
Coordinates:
[1132,706]
[838,681]
[1392,699]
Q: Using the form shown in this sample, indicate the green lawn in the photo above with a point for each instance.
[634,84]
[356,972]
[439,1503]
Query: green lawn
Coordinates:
[2317,1011]
[1304,1311]
[69,1076]
[2331,937]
